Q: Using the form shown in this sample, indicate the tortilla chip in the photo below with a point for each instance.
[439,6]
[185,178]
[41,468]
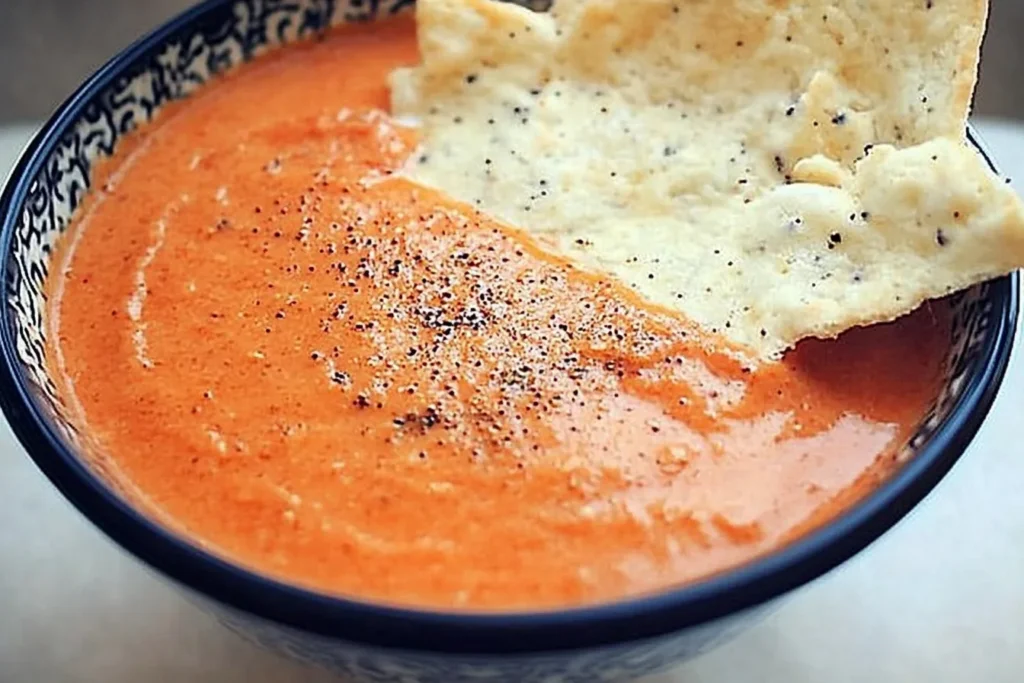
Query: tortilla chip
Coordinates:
[773,170]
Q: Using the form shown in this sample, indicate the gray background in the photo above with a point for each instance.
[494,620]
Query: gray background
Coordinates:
[938,599]
[48,46]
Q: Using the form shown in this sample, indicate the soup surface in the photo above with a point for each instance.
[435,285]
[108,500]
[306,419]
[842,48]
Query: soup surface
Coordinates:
[337,377]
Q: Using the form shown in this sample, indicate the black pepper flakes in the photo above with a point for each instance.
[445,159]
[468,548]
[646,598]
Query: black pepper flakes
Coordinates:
[940,238]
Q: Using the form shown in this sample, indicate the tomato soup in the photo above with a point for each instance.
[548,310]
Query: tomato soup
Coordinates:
[336,377]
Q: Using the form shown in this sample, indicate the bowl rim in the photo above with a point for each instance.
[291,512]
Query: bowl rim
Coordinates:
[450,632]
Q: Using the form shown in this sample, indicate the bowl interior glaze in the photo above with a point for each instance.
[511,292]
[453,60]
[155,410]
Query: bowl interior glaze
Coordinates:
[48,186]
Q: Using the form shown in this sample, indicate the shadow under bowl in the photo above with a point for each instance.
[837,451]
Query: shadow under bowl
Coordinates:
[368,641]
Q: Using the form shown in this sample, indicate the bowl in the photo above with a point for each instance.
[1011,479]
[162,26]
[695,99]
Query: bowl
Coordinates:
[365,641]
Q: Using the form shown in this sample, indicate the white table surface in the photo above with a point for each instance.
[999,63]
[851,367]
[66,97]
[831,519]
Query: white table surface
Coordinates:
[939,599]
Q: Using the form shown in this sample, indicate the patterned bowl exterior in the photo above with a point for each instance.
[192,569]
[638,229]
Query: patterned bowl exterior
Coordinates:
[374,642]
[609,664]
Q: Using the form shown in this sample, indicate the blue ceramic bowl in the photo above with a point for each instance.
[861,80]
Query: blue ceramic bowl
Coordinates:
[375,642]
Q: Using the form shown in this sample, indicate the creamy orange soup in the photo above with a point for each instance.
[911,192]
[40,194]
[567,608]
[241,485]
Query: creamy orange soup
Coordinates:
[339,378]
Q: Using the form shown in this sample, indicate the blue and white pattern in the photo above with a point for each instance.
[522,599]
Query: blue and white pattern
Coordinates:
[170,65]
[614,664]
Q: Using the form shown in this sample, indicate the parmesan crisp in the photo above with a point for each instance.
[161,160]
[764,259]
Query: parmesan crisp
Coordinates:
[773,170]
